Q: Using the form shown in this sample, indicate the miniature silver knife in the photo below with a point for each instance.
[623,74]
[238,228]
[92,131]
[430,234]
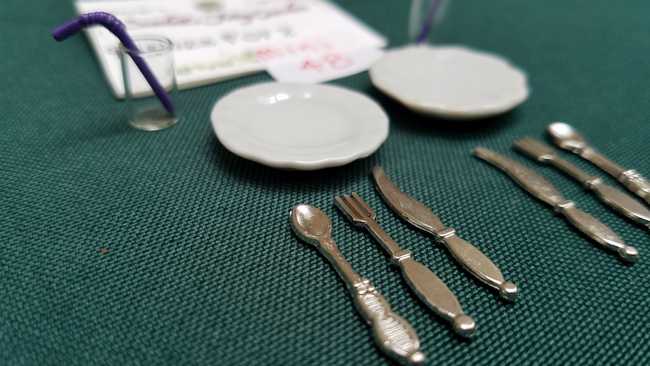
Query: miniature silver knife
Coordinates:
[420,216]
[616,199]
[426,285]
[543,190]
[566,137]
[392,333]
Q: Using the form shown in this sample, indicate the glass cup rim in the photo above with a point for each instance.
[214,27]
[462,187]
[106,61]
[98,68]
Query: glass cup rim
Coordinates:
[168,45]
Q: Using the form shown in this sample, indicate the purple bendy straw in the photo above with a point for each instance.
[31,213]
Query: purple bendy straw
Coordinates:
[428,22]
[115,26]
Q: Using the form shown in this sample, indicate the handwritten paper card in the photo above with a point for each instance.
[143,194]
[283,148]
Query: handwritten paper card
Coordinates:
[219,39]
[324,67]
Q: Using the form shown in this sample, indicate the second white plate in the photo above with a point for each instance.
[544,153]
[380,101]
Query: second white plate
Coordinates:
[451,82]
[299,126]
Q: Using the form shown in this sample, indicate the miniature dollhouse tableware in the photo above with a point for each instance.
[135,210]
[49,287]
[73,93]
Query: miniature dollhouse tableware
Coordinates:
[452,82]
[299,126]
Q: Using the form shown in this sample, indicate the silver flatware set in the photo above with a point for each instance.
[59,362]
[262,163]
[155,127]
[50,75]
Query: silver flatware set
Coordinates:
[393,334]
[618,200]
[567,138]
[543,190]
[426,285]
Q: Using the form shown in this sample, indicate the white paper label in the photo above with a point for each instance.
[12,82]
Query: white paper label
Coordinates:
[219,39]
[324,66]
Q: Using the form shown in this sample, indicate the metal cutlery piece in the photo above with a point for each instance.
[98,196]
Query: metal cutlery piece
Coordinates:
[616,199]
[421,216]
[393,334]
[426,285]
[543,190]
[567,138]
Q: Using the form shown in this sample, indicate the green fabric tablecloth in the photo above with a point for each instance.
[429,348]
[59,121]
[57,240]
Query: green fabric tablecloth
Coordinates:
[119,247]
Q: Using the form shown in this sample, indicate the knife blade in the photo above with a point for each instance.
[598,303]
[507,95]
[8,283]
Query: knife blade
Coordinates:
[542,189]
[426,285]
[421,216]
[618,200]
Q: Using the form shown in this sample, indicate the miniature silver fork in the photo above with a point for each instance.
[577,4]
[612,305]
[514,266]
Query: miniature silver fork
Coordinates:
[426,285]
[393,334]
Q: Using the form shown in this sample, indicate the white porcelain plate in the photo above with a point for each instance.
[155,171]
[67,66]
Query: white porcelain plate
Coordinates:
[451,82]
[296,126]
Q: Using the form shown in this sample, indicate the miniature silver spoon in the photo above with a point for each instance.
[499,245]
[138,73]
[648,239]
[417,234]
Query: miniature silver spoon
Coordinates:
[569,139]
[543,190]
[620,201]
[392,333]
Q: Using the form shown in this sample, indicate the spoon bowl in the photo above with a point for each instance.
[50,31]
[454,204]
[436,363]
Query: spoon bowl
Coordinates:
[566,136]
[310,224]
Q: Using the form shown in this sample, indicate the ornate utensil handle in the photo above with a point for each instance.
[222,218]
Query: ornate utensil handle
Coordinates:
[392,333]
[478,264]
[598,231]
[619,201]
[636,183]
[630,178]
[545,191]
[426,285]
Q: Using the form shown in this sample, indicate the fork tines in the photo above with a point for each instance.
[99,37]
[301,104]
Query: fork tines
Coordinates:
[355,208]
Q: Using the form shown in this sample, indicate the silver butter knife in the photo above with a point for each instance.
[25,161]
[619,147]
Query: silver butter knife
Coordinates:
[426,285]
[569,139]
[543,190]
[614,198]
[393,334]
[420,216]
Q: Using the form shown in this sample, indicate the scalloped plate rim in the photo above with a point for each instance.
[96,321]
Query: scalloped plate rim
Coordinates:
[451,112]
[295,164]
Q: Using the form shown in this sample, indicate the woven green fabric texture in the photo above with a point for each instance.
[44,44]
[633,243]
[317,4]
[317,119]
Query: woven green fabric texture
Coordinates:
[119,247]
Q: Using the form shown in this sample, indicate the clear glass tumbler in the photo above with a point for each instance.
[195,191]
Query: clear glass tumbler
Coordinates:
[144,110]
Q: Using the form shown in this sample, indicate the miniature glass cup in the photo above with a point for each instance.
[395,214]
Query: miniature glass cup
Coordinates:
[144,110]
